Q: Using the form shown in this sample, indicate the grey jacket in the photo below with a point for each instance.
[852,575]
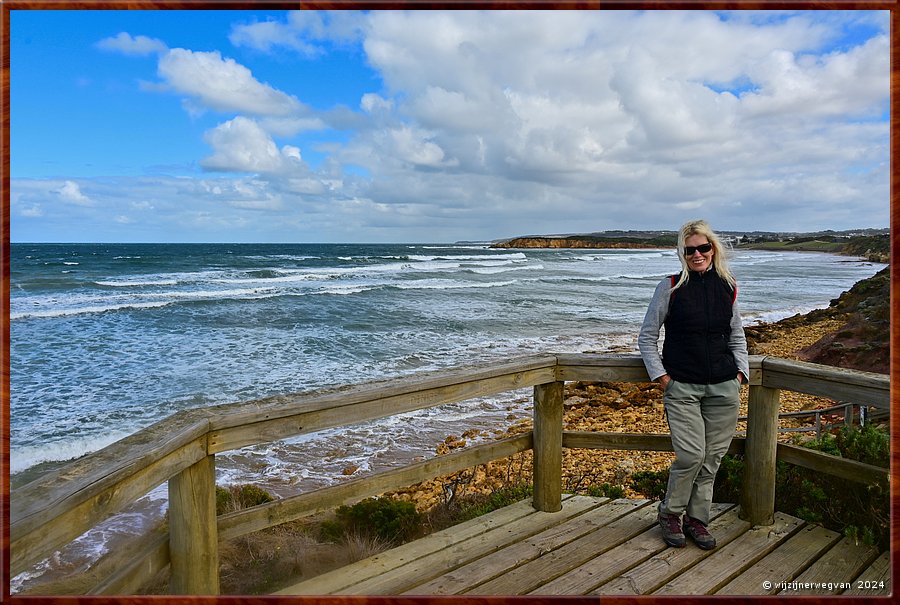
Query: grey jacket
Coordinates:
[648,338]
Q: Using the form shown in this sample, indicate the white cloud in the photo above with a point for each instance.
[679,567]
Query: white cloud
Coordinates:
[135,46]
[304,32]
[241,145]
[223,84]
[71,192]
[413,146]
[571,101]
[288,127]
[815,86]
[267,35]
[34,211]
[371,103]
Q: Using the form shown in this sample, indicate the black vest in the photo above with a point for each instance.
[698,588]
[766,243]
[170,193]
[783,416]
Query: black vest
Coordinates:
[698,327]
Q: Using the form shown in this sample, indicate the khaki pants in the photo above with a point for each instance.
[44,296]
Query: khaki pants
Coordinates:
[702,418]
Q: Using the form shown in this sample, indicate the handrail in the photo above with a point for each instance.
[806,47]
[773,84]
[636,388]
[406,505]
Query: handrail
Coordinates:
[52,510]
[846,409]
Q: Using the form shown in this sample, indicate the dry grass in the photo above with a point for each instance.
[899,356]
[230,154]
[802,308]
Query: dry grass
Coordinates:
[267,561]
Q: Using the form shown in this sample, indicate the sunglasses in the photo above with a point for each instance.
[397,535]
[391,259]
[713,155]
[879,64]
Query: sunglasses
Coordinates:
[702,249]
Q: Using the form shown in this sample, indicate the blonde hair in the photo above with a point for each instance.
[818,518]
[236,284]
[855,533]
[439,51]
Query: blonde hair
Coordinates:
[719,261]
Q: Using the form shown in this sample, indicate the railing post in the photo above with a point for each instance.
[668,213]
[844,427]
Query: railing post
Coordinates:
[193,539]
[758,493]
[548,414]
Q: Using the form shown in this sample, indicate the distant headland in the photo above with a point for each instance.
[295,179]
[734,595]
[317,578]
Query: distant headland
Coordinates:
[872,244]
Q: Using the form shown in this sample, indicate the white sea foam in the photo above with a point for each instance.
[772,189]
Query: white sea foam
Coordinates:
[598,278]
[49,307]
[24,457]
[444,284]
[753,318]
[50,313]
[126,283]
[504,269]
[344,290]
[515,256]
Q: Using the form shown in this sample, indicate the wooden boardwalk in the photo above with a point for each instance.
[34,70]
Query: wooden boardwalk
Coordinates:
[613,547]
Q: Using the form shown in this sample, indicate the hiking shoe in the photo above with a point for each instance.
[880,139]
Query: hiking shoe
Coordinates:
[698,533]
[671,529]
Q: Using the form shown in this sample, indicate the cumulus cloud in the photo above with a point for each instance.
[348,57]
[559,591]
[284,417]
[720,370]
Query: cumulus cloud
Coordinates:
[71,192]
[124,43]
[223,84]
[241,145]
[816,86]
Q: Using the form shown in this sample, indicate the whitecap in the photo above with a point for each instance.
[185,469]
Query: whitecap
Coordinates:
[127,283]
[85,310]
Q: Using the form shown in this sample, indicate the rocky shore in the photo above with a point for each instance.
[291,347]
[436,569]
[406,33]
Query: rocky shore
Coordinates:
[852,332]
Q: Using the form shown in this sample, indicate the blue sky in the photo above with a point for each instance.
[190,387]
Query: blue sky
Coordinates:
[439,126]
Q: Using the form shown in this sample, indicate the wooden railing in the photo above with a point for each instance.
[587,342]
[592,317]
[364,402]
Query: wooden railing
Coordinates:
[52,511]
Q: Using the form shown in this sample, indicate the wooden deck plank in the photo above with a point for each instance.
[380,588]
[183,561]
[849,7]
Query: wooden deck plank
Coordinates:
[840,565]
[728,561]
[399,579]
[608,566]
[464,553]
[875,580]
[784,564]
[659,569]
[483,569]
[552,564]
[599,546]
[411,551]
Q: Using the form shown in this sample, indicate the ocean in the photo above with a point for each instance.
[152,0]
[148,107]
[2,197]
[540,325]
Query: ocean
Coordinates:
[106,339]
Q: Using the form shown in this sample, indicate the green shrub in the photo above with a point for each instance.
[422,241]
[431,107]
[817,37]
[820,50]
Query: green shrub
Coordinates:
[856,510]
[870,444]
[497,499]
[652,484]
[474,505]
[606,490]
[729,479]
[394,521]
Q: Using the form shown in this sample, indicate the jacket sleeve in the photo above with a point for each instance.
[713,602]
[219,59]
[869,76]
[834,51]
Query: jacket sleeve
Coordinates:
[648,338]
[737,342]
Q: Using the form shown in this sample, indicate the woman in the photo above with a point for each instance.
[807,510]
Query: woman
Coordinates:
[703,363]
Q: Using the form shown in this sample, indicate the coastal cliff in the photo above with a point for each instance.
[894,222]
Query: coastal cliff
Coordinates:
[586,241]
[859,337]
